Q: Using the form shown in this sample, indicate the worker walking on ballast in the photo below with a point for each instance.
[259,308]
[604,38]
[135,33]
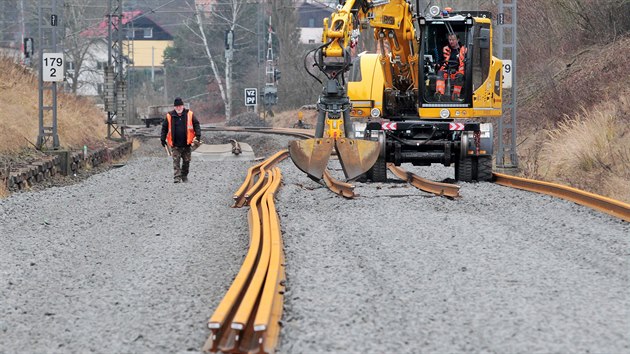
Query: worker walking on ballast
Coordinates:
[180,130]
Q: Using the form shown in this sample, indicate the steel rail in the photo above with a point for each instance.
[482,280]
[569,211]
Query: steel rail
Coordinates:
[437,188]
[249,186]
[268,163]
[336,186]
[267,320]
[223,336]
[239,195]
[247,318]
[607,205]
[241,326]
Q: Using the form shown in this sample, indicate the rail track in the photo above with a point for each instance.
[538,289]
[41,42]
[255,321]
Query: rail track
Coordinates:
[247,320]
[347,189]
[607,205]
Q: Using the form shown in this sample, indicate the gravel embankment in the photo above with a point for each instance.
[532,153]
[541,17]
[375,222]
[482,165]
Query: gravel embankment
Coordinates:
[128,262]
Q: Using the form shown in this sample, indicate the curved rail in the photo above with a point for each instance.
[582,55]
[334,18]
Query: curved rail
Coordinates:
[341,188]
[437,188]
[249,187]
[338,187]
[300,133]
[609,206]
[247,318]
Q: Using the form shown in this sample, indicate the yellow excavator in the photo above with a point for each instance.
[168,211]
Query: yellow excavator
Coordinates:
[384,107]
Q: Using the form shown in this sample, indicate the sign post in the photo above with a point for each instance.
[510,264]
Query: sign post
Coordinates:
[53,67]
[251,97]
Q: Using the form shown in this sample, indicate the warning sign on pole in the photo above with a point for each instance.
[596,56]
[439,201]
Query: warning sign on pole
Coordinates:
[251,96]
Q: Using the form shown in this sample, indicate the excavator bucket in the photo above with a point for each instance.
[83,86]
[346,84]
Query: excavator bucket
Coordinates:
[311,155]
[356,156]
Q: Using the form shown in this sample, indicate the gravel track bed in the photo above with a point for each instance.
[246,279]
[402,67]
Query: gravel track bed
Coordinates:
[128,262]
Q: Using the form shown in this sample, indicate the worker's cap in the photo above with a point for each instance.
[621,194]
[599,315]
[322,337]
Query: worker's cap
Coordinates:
[178,102]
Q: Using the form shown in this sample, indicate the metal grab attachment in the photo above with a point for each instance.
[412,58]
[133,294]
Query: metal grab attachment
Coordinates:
[311,155]
[356,156]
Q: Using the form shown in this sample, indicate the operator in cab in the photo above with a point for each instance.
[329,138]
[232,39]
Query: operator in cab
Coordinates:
[454,56]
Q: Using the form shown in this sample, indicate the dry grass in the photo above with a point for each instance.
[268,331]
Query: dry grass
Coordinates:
[288,118]
[591,150]
[4,192]
[79,121]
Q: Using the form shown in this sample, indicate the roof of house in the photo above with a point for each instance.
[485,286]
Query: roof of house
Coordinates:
[129,18]
[312,14]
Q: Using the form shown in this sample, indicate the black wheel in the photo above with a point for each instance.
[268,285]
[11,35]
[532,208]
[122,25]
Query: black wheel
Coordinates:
[464,169]
[147,123]
[474,168]
[484,168]
[378,172]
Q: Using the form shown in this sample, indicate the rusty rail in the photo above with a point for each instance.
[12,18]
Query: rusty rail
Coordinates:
[247,318]
[609,206]
[302,133]
[437,188]
[341,188]
[338,187]
[252,182]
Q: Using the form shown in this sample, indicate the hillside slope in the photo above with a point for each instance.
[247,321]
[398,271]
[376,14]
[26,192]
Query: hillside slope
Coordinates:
[574,120]
[79,121]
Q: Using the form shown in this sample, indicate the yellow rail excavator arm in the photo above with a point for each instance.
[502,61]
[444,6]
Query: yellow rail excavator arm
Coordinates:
[333,129]
[391,21]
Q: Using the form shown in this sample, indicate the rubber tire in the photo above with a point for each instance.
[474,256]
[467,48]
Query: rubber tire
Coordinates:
[378,172]
[484,169]
[464,169]
[474,168]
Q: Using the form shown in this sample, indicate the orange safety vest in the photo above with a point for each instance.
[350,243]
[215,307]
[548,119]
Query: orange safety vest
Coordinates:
[462,57]
[190,130]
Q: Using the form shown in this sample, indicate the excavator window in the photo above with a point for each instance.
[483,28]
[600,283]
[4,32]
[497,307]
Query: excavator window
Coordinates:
[481,54]
[456,88]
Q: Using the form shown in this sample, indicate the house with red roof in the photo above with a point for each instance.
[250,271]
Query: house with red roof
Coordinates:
[143,45]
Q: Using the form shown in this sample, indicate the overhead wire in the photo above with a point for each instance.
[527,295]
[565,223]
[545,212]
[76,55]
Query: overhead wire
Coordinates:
[144,14]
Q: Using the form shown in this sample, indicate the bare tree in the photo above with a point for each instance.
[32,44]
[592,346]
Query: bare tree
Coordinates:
[81,19]
[301,88]
[228,16]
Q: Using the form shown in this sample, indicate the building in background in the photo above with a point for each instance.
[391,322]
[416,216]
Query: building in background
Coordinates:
[144,42]
[311,19]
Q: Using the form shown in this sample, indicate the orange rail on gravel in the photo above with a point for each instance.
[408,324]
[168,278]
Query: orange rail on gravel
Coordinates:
[249,186]
[341,188]
[437,188]
[610,206]
[607,205]
[247,318]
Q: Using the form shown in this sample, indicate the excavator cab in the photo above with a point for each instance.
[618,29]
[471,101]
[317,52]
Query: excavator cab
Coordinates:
[462,95]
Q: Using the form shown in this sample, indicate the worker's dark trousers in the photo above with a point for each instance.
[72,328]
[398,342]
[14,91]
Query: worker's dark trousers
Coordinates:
[181,162]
